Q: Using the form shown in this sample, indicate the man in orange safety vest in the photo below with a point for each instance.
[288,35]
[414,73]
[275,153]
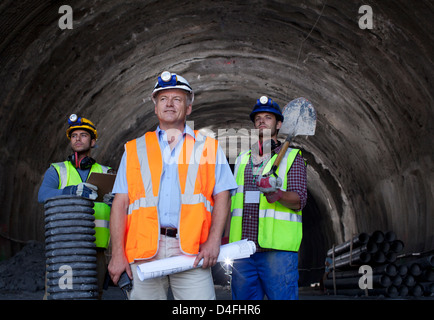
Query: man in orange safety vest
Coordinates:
[171,198]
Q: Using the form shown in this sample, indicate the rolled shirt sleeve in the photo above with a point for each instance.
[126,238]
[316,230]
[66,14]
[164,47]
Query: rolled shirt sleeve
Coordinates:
[297,180]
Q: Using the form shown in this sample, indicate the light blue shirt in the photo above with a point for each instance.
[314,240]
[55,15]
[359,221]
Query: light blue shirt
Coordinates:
[169,202]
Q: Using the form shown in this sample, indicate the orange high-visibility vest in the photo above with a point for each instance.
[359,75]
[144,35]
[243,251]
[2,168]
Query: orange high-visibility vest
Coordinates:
[196,170]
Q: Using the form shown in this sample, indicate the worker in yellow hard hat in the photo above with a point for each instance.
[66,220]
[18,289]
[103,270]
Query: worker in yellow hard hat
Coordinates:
[70,178]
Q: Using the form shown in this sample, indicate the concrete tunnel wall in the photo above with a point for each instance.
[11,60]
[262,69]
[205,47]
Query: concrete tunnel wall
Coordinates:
[370,161]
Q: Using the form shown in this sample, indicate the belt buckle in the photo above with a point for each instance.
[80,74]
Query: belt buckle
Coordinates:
[174,232]
[171,232]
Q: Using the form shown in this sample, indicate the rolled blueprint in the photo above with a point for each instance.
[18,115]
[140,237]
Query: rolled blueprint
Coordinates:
[228,252]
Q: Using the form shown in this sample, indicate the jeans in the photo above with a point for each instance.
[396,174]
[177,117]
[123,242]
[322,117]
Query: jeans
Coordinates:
[272,273]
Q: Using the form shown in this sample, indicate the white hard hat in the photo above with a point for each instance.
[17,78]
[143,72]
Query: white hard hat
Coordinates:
[169,80]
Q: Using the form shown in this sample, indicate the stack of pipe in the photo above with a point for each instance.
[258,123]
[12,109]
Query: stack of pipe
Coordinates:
[70,249]
[379,251]
[419,279]
[347,282]
[375,249]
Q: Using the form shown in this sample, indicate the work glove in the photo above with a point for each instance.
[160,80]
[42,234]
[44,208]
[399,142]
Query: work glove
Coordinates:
[108,198]
[270,187]
[85,190]
[268,184]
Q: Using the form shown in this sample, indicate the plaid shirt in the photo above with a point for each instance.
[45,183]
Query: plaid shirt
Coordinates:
[297,182]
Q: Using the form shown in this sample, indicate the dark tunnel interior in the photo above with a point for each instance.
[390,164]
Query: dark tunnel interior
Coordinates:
[370,162]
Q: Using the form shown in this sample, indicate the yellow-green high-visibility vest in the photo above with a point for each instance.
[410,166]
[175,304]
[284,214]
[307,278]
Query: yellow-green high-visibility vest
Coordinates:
[69,176]
[279,227]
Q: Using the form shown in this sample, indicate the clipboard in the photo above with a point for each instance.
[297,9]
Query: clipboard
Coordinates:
[104,182]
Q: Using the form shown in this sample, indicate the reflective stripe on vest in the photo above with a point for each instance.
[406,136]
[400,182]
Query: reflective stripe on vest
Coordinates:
[68,176]
[63,167]
[197,180]
[279,227]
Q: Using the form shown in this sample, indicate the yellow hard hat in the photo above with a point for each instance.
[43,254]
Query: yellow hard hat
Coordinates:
[76,122]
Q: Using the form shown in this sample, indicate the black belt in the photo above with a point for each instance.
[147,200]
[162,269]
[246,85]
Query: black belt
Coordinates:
[169,232]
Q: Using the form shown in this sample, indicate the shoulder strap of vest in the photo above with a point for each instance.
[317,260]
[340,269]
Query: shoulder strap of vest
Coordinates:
[150,167]
[285,165]
[62,171]
[241,160]
[200,137]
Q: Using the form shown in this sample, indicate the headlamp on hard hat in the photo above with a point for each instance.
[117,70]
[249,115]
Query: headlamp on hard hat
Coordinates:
[264,100]
[75,122]
[73,118]
[168,80]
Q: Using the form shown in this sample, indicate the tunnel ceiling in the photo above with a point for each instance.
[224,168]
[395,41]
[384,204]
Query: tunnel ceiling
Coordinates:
[370,162]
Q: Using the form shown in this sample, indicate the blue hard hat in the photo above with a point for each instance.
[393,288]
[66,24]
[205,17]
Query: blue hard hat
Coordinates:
[265,104]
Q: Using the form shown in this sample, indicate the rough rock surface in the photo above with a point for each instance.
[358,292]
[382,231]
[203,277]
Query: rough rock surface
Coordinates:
[370,162]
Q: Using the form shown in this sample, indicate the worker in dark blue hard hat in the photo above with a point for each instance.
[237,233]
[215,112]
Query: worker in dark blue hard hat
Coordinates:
[266,209]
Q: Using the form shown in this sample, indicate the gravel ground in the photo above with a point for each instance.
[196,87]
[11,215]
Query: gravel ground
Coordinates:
[22,278]
[25,271]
